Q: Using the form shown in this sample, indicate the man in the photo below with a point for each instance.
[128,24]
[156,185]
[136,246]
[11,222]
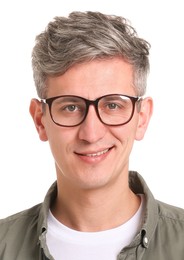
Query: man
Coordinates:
[90,72]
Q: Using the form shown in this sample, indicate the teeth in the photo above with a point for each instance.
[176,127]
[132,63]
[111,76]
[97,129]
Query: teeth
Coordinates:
[97,154]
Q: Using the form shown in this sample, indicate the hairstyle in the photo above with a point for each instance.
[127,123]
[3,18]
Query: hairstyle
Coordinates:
[83,37]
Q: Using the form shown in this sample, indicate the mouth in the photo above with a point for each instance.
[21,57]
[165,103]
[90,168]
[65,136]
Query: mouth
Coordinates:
[95,154]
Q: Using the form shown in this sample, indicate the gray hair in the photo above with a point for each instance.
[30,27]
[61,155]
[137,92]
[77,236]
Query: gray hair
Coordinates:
[85,36]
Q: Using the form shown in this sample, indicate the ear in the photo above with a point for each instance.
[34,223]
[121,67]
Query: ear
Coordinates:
[36,112]
[145,114]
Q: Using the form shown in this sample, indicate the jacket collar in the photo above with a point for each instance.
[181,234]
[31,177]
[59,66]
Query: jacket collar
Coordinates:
[42,220]
[137,185]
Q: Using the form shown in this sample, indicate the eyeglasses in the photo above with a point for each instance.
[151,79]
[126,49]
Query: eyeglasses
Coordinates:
[112,110]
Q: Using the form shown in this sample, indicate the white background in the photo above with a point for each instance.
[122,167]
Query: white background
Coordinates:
[26,165]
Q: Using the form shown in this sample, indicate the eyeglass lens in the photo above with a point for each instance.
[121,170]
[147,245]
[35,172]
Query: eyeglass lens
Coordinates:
[111,109]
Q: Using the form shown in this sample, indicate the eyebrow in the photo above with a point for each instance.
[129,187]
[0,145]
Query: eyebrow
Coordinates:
[69,98]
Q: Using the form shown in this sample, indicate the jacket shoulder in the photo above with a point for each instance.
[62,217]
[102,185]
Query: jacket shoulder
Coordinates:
[170,212]
[21,217]
[166,239]
[19,234]
[170,229]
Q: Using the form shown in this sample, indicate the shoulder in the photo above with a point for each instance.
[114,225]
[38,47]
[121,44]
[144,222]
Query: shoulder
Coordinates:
[28,213]
[169,212]
[19,235]
[171,221]
[166,235]
[19,223]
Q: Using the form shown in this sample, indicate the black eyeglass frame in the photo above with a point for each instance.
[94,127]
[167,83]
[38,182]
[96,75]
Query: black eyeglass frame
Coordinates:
[88,102]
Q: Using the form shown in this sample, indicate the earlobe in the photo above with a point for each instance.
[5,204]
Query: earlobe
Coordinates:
[145,114]
[36,112]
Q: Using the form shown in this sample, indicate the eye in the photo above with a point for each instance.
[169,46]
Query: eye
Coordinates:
[112,106]
[71,108]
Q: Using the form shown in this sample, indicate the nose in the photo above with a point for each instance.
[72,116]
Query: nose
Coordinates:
[92,129]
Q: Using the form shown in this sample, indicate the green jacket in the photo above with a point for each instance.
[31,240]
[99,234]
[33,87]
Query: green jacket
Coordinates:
[23,235]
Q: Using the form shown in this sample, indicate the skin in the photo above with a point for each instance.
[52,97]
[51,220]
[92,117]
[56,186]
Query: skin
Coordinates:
[92,159]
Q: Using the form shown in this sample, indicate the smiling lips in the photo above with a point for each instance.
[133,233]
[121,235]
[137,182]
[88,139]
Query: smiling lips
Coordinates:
[95,154]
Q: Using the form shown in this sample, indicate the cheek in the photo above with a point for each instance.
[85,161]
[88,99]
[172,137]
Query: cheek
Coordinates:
[60,141]
[125,136]
[125,133]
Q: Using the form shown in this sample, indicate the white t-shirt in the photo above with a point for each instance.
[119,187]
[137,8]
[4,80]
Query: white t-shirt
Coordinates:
[68,244]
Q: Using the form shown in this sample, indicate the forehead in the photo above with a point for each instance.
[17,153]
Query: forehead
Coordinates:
[93,79]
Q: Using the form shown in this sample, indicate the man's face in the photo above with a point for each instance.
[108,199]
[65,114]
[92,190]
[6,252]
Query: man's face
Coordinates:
[92,155]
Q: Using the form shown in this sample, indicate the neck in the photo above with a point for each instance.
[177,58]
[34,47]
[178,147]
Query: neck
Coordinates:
[94,210]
